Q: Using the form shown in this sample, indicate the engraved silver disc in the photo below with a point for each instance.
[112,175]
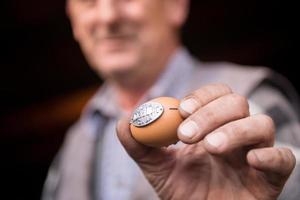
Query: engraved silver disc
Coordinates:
[146,113]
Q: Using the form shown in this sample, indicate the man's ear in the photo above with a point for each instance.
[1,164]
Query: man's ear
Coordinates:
[177,11]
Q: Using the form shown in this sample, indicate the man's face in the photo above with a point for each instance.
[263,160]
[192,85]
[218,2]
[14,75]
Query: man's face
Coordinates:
[122,35]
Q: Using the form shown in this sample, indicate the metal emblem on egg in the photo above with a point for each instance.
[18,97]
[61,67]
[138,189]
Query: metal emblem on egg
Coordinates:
[146,114]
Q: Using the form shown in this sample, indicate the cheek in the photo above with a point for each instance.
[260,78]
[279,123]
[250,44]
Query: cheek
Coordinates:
[82,23]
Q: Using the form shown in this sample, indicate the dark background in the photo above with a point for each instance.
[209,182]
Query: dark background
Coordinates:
[45,81]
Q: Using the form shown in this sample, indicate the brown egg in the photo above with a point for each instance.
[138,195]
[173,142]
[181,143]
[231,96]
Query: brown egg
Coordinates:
[155,124]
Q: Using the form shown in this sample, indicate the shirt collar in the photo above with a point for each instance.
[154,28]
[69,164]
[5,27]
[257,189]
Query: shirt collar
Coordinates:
[173,80]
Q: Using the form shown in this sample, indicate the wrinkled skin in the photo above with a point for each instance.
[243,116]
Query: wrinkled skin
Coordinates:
[230,156]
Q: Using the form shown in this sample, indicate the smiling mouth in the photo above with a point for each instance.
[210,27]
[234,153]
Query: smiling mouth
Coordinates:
[115,42]
[114,38]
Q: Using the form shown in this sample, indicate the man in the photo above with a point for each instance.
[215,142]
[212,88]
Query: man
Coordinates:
[225,151]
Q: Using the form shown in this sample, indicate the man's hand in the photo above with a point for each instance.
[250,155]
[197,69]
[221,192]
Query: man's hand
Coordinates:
[227,153]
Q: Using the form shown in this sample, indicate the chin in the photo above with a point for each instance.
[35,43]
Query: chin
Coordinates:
[109,61]
[116,65]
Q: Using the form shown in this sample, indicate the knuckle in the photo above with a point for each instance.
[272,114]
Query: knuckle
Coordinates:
[280,157]
[239,100]
[207,116]
[203,95]
[208,93]
[241,103]
[232,129]
[197,97]
[215,90]
[224,87]
[268,126]
[268,121]
[289,153]
[235,131]
[289,157]
[286,159]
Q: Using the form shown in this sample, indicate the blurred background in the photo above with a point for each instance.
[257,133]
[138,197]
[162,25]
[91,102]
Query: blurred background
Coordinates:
[45,81]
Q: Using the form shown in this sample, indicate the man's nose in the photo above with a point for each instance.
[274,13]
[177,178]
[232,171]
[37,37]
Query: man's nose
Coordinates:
[108,11]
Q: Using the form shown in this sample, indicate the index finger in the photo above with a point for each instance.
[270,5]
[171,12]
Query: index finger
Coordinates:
[201,97]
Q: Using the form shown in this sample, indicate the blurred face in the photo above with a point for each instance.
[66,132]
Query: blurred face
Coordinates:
[125,35]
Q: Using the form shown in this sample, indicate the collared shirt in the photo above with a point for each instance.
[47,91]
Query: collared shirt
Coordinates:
[92,163]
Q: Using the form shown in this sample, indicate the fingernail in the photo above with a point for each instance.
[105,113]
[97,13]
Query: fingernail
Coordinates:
[216,139]
[189,129]
[189,105]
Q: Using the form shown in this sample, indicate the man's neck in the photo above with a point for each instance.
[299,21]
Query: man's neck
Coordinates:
[131,88]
